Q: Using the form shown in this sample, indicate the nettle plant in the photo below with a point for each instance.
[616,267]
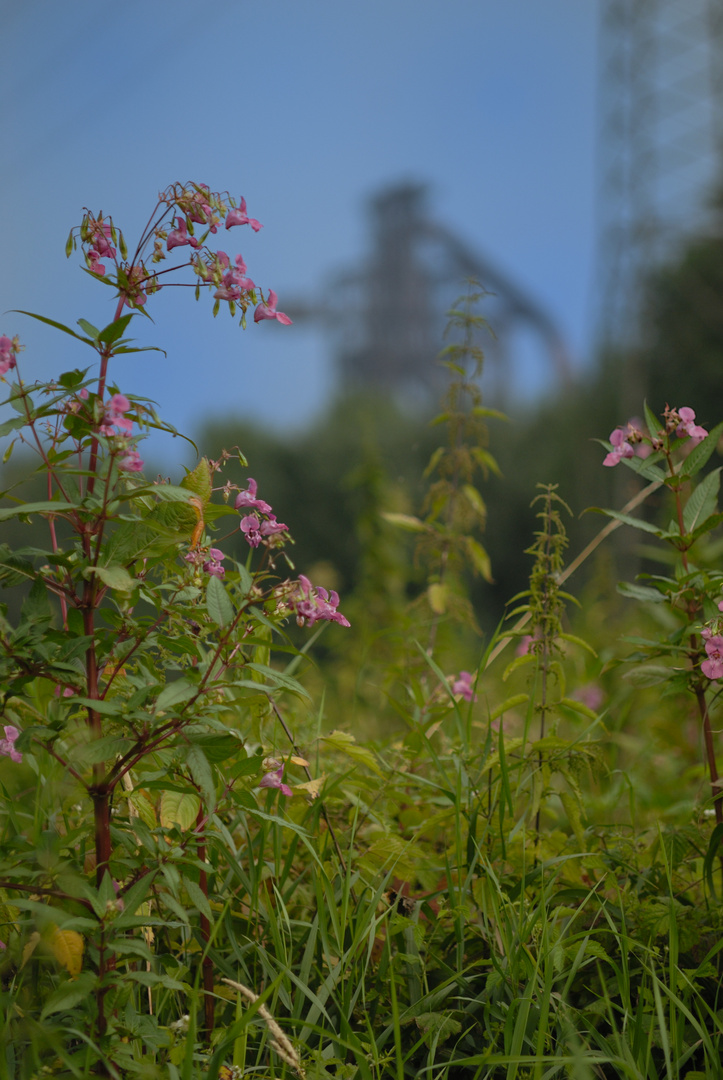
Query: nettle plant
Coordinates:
[672,451]
[140,657]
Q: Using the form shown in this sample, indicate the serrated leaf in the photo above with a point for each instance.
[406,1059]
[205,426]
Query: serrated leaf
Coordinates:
[640,592]
[626,519]
[347,744]
[179,808]
[197,897]
[200,481]
[143,806]
[701,453]
[67,948]
[647,675]
[114,577]
[202,774]
[106,749]
[218,604]
[57,325]
[115,330]
[69,994]
[175,693]
[311,787]
[37,508]
[655,424]
[703,501]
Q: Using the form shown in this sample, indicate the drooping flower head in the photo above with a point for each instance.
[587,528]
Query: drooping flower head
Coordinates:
[9,349]
[268,310]
[462,684]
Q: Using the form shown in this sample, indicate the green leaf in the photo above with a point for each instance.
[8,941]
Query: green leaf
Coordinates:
[57,325]
[218,605]
[115,577]
[474,499]
[509,703]
[37,508]
[175,693]
[200,481]
[105,749]
[179,808]
[13,424]
[703,501]
[115,330]
[655,424]
[69,994]
[700,454]
[640,592]
[575,640]
[202,774]
[480,558]
[347,744]
[280,679]
[648,675]
[406,522]
[198,897]
[626,519]
[577,706]
[91,331]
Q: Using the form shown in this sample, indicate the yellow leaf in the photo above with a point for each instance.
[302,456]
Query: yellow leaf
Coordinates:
[437,596]
[67,948]
[311,787]
[142,807]
[30,947]
[179,809]
[299,761]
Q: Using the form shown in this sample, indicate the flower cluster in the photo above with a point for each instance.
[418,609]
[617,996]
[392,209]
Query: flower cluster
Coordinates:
[187,205]
[209,560]
[313,604]
[260,525]
[630,441]
[114,417]
[99,234]
[7,744]
[9,349]
[712,668]
[462,684]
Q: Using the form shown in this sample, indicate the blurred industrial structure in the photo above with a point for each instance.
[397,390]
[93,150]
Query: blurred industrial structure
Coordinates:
[660,145]
[387,315]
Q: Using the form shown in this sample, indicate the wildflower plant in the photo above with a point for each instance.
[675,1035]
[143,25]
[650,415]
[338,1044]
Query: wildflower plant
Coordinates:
[671,451]
[130,678]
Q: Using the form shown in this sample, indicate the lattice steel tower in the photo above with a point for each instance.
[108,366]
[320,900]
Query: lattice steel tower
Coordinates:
[660,164]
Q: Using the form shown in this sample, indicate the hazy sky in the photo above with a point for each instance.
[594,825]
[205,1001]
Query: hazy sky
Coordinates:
[307,110]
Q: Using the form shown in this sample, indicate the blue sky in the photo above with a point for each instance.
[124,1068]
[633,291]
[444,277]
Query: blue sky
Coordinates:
[307,110]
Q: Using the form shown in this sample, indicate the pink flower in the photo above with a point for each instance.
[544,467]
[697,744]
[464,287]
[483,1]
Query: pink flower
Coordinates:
[248,498]
[713,666]
[95,267]
[689,427]
[213,565]
[102,233]
[180,236]
[7,745]
[240,217]
[268,311]
[462,684]
[250,527]
[621,447]
[314,604]
[274,780]
[8,353]
[114,410]
[131,461]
